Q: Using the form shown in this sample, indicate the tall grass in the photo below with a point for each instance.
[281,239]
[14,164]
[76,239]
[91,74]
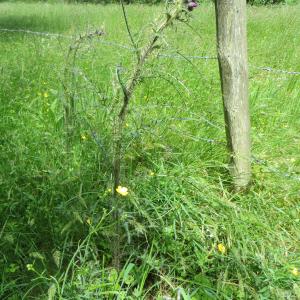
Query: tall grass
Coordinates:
[56,224]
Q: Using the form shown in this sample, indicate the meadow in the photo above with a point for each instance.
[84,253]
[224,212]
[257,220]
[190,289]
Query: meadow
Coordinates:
[184,231]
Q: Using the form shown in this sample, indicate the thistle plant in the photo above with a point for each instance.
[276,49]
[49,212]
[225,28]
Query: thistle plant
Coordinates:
[176,11]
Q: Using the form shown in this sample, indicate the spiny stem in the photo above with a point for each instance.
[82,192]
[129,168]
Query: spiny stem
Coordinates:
[128,90]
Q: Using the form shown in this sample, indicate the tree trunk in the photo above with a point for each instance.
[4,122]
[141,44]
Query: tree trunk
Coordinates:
[233,66]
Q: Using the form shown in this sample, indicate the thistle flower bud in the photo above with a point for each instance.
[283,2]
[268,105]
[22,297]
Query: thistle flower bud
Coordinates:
[191,5]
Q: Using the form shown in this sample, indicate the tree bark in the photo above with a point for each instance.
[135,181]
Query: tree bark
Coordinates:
[233,66]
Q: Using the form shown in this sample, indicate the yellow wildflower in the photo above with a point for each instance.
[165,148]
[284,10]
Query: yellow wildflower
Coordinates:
[126,125]
[221,248]
[122,190]
[109,190]
[295,272]
[83,137]
[151,173]
[46,95]
[89,221]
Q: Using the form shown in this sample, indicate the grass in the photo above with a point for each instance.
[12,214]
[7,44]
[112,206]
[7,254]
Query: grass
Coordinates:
[56,226]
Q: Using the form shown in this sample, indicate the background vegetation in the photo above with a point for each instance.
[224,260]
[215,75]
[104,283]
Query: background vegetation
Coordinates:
[183,229]
[251,2]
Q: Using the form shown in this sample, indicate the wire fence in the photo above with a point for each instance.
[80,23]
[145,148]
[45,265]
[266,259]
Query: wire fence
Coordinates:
[264,163]
[162,55]
[266,167]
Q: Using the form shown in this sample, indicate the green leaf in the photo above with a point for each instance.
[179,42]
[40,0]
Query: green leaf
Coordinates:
[37,255]
[113,275]
[127,278]
[51,291]
[203,280]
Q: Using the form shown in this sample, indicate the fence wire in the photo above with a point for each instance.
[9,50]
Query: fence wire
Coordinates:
[255,159]
[162,55]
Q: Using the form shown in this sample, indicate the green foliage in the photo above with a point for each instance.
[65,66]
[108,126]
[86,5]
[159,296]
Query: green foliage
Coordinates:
[56,225]
[153,2]
[251,2]
[265,2]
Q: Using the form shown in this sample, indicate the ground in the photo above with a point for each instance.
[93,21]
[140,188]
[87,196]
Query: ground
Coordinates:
[184,228]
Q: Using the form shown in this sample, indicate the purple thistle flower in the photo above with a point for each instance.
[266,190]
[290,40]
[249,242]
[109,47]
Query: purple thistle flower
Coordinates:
[191,5]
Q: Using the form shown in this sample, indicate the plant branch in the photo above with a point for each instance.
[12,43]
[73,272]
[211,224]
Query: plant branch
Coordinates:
[128,89]
[129,31]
